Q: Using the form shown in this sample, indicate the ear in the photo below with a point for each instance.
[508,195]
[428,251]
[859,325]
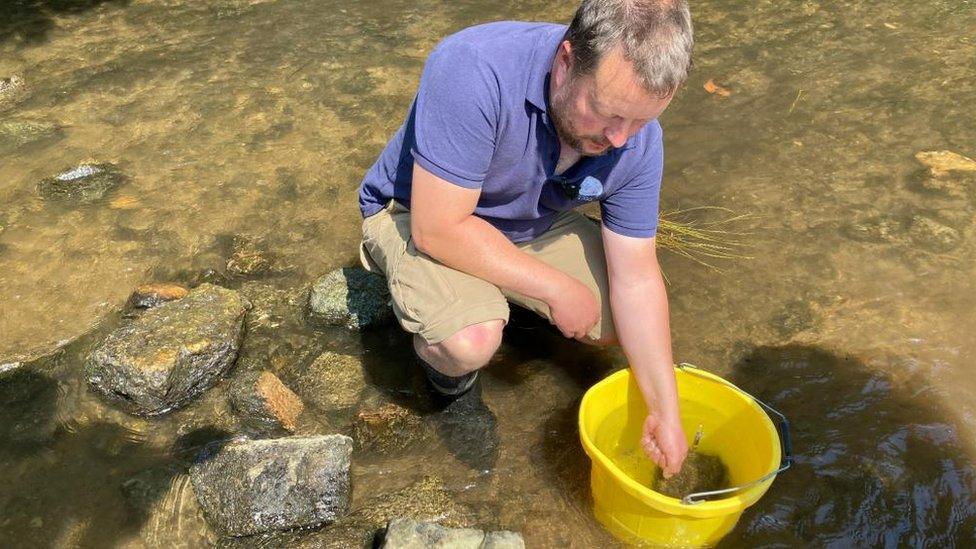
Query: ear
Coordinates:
[563,64]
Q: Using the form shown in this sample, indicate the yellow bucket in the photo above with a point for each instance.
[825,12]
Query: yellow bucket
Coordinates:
[736,429]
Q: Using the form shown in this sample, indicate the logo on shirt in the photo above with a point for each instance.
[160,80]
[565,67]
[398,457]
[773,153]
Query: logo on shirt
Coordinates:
[590,188]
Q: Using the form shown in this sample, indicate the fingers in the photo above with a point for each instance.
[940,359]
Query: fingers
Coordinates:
[653,451]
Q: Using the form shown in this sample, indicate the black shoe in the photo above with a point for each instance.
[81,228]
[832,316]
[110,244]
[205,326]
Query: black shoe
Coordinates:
[448,387]
[468,429]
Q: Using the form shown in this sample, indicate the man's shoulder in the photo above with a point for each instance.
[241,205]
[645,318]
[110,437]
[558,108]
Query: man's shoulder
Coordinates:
[498,43]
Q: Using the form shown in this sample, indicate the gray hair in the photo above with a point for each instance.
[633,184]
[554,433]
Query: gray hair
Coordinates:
[656,36]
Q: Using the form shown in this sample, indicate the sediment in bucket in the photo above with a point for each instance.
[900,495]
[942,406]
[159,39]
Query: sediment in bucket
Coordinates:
[739,432]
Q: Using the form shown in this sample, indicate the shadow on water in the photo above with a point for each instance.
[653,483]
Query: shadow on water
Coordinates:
[88,485]
[28,22]
[877,462]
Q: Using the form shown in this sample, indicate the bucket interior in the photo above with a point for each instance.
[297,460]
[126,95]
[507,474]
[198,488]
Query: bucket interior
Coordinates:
[734,428]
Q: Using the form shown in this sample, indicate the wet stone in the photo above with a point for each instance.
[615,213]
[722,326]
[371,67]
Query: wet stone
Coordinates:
[948,187]
[264,402]
[148,296]
[699,473]
[172,353]
[249,257]
[254,486]
[18,133]
[83,184]
[12,90]
[388,428]
[940,163]
[350,297]
[932,235]
[333,381]
[411,534]
[278,335]
[797,316]
[503,539]
[877,229]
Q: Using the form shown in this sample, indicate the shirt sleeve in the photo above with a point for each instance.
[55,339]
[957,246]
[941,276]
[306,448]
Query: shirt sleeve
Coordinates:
[632,209]
[456,113]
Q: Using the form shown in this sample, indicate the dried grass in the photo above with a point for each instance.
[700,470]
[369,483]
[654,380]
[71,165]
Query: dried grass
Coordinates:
[702,241]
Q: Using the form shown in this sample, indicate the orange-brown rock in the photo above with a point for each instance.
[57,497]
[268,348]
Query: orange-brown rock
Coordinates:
[264,401]
[150,295]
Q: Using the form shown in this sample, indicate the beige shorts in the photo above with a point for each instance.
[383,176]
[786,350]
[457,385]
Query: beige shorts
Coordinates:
[436,301]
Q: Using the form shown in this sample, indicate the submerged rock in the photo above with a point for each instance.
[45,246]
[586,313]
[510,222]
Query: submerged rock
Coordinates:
[388,428]
[255,486]
[18,133]
[150,295]
[877,229]
[940,163]
[12,90]
[950,187]
[933,235]
[264,401]
[333,381]
[411,534]
[350,297]
[172,353]
[248,257]
[83,184]
[797,316]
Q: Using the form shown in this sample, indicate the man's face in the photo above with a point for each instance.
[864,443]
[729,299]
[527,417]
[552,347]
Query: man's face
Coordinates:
[595,112]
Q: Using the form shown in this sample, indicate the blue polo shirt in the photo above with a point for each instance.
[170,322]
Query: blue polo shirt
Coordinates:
[480,121]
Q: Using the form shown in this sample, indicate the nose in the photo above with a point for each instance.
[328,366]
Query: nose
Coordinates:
[616,133]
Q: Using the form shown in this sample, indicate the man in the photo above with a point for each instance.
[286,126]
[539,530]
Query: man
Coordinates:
[471,202]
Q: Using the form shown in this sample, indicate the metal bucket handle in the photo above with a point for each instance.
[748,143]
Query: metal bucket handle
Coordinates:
[786,446]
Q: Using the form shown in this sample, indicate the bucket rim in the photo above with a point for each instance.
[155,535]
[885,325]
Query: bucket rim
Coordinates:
[703,509]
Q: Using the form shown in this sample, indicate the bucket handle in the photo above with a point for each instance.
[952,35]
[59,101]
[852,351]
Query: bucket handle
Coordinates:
[786,445]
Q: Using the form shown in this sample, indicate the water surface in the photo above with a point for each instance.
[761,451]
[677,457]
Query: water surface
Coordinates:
[258,118]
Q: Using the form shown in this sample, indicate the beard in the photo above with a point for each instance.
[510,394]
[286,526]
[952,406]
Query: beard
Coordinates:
[559,112]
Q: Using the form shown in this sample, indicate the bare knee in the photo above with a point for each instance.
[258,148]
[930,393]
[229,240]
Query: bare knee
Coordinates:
[470,348]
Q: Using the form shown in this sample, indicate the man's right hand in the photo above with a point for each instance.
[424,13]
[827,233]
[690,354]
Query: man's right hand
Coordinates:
[574,308]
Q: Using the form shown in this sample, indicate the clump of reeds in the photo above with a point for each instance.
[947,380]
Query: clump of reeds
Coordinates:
[701,241]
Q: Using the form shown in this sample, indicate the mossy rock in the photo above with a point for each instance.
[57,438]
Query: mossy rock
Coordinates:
[83,184]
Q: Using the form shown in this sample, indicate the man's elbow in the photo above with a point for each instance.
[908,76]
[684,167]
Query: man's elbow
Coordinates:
[425,239]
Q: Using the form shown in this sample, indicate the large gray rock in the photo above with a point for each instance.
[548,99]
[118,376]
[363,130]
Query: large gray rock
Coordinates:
[410,534]
[425,500]
[170,354]
[255,486]
[350,297]
[82,184]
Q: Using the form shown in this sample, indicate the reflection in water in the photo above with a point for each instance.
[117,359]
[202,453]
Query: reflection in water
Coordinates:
[873,464]
[244,127]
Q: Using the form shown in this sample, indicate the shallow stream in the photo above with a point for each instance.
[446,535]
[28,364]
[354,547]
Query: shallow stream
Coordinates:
[852,315]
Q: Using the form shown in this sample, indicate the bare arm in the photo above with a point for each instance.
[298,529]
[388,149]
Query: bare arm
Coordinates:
[443,226]
[640,310]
